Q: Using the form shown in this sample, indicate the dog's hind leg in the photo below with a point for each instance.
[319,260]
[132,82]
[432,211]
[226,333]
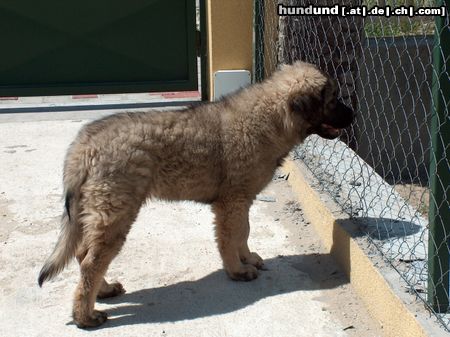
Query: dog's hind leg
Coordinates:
[105,230]
[232,231]
[92,268]
[106,289]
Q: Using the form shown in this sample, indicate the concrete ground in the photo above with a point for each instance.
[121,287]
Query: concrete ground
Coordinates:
[169,266]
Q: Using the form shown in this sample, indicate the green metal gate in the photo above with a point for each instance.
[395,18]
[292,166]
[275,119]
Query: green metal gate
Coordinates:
[54,47]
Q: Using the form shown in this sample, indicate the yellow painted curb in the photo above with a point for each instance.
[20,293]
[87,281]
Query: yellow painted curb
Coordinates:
[372,288]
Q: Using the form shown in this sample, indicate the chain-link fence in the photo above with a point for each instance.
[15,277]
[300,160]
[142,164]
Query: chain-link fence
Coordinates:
[390,171]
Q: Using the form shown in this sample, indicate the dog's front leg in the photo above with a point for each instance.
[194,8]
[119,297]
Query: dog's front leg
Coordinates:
[232,230]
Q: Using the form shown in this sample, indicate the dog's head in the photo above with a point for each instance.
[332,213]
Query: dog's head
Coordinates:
[317,105]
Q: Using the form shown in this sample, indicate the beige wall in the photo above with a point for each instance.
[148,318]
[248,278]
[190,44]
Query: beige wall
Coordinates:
[230,36]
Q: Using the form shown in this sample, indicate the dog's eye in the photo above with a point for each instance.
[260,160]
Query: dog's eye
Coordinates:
[305,103]
[307,106]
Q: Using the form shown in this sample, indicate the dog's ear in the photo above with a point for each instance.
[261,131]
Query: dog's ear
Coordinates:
[307,105]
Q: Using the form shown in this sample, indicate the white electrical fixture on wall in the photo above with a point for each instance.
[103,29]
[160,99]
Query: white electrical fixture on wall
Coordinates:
[229,81]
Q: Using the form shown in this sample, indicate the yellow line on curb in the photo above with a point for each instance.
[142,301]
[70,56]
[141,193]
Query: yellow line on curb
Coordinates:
[334,229]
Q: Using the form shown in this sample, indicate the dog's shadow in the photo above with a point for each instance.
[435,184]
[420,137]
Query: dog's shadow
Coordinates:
[216,294]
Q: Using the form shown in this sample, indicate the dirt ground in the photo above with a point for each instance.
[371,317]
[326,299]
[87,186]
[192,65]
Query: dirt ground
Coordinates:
[416,195]
[338,298]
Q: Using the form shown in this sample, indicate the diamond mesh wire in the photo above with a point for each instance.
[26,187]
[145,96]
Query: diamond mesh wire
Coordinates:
[379,171]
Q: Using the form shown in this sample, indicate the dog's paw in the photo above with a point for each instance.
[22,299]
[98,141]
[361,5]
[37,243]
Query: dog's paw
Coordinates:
[247,272]
[113,289]
[97,318]
[255,260]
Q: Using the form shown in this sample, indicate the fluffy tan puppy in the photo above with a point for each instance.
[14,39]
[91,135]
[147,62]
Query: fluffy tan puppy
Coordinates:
[221,153]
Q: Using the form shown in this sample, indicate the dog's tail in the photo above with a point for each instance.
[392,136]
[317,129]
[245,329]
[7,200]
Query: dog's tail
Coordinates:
[66,245]
[71,230]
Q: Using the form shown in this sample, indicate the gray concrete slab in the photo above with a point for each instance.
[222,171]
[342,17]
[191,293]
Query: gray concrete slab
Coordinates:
[169,266]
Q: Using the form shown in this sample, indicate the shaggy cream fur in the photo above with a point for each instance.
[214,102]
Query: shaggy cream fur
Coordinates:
[221,153]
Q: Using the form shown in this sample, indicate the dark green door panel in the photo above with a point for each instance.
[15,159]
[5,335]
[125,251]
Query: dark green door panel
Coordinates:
[52,47]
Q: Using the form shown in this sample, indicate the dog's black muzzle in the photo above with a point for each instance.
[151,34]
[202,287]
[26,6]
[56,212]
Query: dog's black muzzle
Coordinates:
[339,119]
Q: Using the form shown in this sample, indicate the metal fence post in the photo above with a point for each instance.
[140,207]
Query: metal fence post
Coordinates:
[439,214]
[259,40]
